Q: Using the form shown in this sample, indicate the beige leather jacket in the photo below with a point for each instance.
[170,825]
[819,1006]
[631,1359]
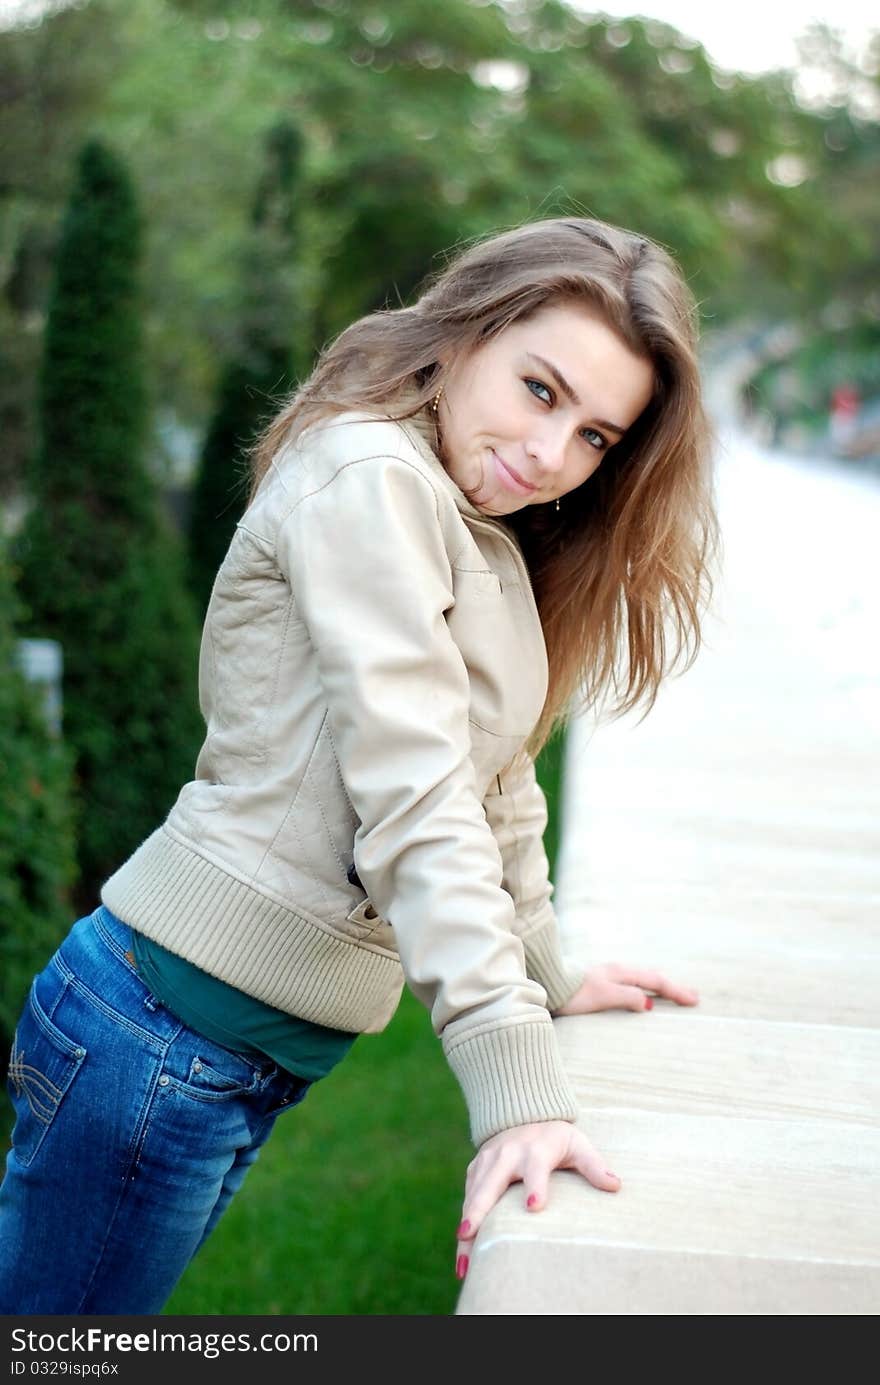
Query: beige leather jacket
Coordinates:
[372,663]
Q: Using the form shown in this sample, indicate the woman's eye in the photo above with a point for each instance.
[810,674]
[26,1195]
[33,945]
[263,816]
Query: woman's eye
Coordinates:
[595,439]
[535,385]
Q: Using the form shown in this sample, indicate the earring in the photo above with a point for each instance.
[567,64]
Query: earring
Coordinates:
[435,402]
[557,504]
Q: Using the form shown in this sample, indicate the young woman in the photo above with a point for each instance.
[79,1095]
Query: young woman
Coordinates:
[473,509]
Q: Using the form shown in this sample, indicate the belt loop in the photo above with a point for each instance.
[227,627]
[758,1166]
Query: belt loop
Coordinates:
[267,1077]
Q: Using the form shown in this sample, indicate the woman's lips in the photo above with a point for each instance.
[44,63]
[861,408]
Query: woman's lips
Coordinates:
[510,479]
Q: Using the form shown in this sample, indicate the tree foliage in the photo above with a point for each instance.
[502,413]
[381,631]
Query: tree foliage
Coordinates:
[421,126]
[99,572]
[36,825]
[267,341]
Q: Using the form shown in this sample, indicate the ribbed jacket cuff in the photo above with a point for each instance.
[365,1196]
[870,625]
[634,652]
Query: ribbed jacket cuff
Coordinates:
[546,964]
[511,1075]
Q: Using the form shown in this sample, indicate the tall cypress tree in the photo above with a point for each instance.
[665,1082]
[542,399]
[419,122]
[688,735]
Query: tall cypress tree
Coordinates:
[37,864]
[258,368]
[100,571]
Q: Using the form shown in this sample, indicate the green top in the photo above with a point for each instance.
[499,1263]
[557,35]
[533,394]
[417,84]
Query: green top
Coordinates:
[234,1019]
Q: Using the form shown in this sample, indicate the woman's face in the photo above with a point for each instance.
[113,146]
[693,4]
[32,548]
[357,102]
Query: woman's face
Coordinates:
[529,416]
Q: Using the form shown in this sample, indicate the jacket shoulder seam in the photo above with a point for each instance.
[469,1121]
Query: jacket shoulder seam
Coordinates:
[358,461]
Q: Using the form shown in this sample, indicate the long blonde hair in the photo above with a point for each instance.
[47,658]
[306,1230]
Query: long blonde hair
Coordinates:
[623,572]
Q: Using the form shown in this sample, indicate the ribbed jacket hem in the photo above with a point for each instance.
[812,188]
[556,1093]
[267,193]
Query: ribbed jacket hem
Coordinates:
[545,963]
[182,900]
[511,1075]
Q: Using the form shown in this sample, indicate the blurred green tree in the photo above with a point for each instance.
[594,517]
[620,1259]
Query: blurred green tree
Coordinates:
[54,80]
[845,166]
[268,339]
[99,571]
[422,126]
[37,865]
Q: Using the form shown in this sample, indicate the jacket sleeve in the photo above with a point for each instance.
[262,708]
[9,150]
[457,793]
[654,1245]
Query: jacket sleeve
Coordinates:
[369,565]
[516,811]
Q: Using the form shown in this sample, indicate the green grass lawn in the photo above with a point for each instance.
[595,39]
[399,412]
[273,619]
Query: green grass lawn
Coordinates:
[353,1203]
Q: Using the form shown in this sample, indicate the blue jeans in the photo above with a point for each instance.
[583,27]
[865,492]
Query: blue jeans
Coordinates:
[132,1135]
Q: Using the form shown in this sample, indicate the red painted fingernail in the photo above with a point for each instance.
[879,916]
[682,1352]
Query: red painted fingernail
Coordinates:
[649,1003]
[461,1266]
[533,1200]
[463,1229]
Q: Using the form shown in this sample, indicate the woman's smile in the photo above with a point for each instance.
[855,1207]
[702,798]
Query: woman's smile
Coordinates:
[510,479]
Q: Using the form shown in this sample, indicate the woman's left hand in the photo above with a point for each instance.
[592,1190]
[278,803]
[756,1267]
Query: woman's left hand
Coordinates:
[614,986]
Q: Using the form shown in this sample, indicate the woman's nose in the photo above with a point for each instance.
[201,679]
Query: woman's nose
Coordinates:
[547,450]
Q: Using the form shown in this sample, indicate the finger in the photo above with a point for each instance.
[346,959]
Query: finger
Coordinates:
[463,1250]
[651,980]
[630,998]
[488,1179]
[464,1235]
[483,1194]
[587,1160]
[536,1186]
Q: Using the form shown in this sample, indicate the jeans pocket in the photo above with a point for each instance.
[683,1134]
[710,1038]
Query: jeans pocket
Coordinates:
[211,1083]
[42,1065]
[202,1069]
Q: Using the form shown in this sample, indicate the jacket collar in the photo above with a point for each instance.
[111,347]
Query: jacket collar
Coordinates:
[421,430]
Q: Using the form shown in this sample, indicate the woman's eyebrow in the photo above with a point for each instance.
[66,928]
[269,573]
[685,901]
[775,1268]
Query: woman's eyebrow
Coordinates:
[569,390]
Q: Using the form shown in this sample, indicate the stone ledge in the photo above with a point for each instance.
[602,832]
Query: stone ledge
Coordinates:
[729,841]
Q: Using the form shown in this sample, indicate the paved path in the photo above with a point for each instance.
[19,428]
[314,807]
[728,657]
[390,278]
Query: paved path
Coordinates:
[731,839]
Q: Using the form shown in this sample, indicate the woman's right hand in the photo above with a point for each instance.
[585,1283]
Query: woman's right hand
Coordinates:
[525,1154]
